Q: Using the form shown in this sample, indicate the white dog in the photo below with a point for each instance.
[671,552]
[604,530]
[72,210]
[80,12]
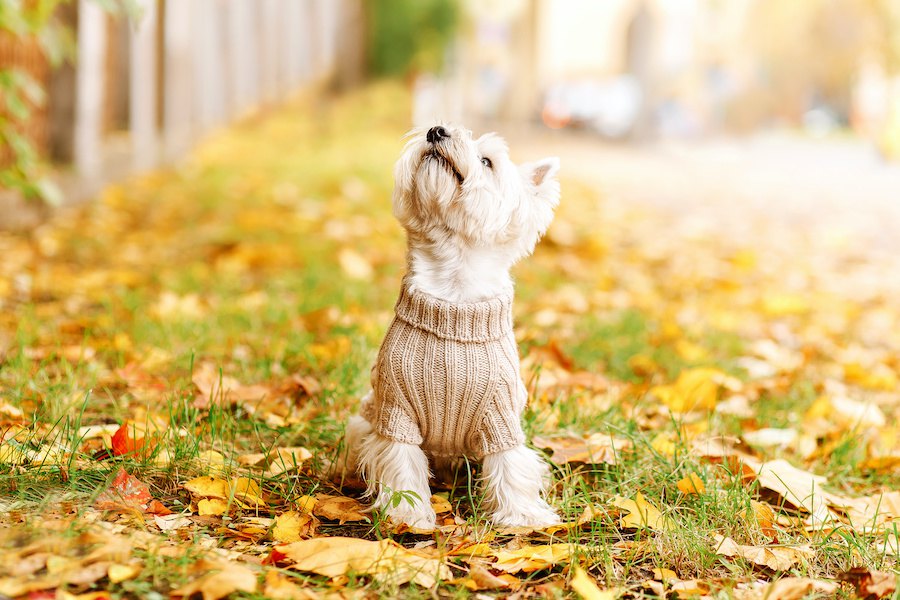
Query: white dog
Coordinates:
[446,383]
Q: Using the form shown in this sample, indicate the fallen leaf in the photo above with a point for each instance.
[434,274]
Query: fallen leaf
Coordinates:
[440,504]
[214,386]
[119,573]
[598,448]
[582,584]
[208,487]
[385,560]
[798,487]
[777,558]
[171,522]
[292,526]
[691,485]
[693,390]
[871,584]
[212,507]
[533,558]
[797,588]
[279,587]
[225,579]
[339,508]
[126,492]
[482,579]
[641,514]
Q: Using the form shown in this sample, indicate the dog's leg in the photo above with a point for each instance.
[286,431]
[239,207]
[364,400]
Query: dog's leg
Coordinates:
[391,468]
[514,482]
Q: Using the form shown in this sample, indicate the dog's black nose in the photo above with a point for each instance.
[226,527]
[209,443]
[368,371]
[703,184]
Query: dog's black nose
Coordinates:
[436,134]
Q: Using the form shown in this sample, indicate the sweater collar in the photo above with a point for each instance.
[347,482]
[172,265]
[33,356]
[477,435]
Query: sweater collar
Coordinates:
[482,321]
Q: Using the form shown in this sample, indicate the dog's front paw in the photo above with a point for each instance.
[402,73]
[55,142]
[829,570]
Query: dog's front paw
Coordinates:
[536,515]
[414,516]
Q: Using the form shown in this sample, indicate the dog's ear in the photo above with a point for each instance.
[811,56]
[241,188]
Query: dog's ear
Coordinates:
[541,171]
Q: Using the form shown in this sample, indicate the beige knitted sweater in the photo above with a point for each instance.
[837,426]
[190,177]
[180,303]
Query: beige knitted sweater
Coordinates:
[447,377]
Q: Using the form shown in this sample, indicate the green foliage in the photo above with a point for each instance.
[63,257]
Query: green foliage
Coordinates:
[20,93]
[409,35]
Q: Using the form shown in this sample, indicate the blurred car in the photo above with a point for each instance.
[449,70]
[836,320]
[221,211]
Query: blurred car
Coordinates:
[609,107]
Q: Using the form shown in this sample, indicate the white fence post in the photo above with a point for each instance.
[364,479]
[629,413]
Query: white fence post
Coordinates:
[179,72]
[143,87]
[89,92]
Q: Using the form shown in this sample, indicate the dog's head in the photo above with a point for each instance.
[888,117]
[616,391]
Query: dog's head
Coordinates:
[451,188]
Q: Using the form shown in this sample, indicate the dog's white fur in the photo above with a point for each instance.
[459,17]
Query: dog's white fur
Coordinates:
[468,220]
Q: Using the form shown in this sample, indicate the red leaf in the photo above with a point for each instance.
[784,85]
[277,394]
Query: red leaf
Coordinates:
[274,557]
[122,442]
[125,493]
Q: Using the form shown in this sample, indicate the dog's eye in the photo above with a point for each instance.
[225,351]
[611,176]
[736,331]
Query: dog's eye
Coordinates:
[487,162]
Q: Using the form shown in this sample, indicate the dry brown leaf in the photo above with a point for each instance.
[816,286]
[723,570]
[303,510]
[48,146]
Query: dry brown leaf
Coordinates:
[482,579]
[213,386]
[796,588]
[871,584]
[339,508]
[598,448]
[777,558]
[385,560]
[225,579]
[798,487]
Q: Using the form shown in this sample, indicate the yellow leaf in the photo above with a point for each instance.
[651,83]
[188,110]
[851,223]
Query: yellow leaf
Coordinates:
[664,574]
[440,504]
[533,558]
[247,492]
[119,573]
[208,487]
[287,527]
[385,560]
[212,507]
[664,443]
[642,514]
[582,584]
[305,504]
[212,460]
[230,578]
[695,389]
[691,485]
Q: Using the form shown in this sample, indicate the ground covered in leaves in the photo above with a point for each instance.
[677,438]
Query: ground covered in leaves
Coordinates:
[178,357]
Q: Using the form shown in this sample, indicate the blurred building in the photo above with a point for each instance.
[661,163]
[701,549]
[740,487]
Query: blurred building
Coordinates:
[648,68]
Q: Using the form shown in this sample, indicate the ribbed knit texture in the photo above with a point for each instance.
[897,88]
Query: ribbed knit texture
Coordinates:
[447,377]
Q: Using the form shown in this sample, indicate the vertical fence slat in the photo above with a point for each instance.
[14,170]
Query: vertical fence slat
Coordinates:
[179,70]
[89,89]
[142,86]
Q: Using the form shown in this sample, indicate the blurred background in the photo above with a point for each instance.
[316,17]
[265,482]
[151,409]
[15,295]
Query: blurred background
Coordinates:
[100,88]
